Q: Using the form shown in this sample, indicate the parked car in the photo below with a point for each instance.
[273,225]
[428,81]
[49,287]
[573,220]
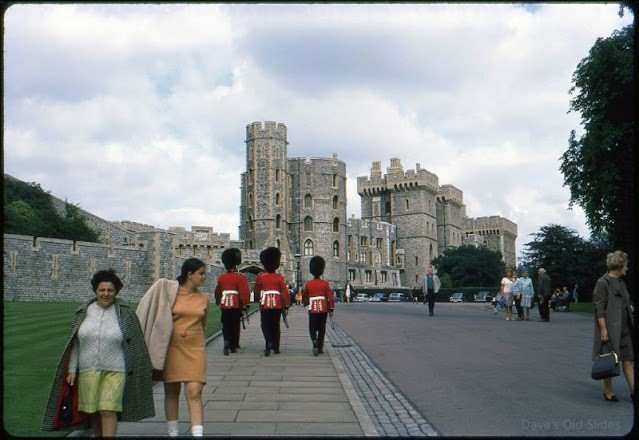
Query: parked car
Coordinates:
[483,296]
[457,297]
[397,297]
[361,297]
[380,297]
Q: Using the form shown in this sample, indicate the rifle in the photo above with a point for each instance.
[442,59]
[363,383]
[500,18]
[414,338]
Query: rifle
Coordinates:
[284,317]
[247,316]
[331,319]
[242,319]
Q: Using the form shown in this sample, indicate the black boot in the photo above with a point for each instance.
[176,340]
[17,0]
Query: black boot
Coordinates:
[315,348]
[226,347]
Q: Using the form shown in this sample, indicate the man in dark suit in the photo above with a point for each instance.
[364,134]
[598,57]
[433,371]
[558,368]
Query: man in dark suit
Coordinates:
[544,293]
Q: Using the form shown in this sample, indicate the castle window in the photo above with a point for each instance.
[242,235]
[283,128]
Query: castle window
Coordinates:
[336,248]
[335,202]
[363,241]
[277,175]
[416,261]
[351,274]
[336,224]
[309,249]
[308,201]
[379,243]
[277,243]
[278,199]
[367,276]
[387,206]
[308,224]
[349,240]
[278,221]
[384,275]
[335,181]
[250,223]
[362,257]
[407,204]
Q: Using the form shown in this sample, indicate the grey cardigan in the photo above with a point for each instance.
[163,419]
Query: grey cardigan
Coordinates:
[611,304]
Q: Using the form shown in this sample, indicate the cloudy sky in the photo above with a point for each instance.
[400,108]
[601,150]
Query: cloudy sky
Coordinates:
[138,112]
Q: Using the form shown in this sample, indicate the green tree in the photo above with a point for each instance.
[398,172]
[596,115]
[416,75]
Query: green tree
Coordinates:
[598,166]
[470,266]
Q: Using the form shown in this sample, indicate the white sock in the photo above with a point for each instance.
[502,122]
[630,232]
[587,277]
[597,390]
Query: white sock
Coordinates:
[197,430]
[173,428]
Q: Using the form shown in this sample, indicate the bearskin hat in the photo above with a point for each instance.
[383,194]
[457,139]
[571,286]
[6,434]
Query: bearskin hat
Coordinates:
[231,257]
[316,266]
[270,258]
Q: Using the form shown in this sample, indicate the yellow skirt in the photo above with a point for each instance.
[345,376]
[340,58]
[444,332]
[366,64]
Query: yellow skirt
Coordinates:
[186,358]
[100,391]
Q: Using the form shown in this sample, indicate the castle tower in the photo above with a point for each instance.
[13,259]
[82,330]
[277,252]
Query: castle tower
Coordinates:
[495,232]
[450,212]
[407,200]
[264,190]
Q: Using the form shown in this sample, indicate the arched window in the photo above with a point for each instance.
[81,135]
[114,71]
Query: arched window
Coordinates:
[250,223]
[336,224]
[278,221]
[308,201]
[277,243]
[308,223]
[335,202]
[278,199]
[336,248]
[309,249]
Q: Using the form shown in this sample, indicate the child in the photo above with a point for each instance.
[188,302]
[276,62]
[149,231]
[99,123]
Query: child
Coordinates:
[319,297]
[274,298]
[232,297]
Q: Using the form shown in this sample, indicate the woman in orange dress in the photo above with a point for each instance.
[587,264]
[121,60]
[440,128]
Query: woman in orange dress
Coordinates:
[185,358]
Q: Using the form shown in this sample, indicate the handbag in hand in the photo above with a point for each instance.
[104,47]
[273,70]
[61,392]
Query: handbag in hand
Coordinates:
[606,364]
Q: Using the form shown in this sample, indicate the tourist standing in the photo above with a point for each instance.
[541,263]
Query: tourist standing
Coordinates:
[320,300]
[544,292]
[106,364]
[232,297]
[575,295]
[174,320]
[613,319]
[274,298]
[527,293]
[517,296]
[348,291]
[431,286]
[507,293]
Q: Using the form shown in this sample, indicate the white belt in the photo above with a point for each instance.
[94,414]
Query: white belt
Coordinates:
[271,301]
[227,300]
[315,298]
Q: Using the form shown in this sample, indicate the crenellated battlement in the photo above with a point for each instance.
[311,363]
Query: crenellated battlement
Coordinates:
[490,223]
[267,129]
[396,179]
[451,193]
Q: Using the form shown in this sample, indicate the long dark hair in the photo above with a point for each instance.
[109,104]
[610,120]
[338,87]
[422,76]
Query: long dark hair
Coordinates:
[190,265]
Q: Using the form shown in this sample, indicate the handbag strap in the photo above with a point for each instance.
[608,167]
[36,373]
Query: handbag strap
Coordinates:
[610,350]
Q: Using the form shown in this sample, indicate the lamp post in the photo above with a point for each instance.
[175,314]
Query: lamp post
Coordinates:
[298,272]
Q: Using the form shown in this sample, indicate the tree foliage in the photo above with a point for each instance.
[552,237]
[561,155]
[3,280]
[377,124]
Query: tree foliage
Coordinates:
[29,210]
[567,258]
[470,266]
[598,167]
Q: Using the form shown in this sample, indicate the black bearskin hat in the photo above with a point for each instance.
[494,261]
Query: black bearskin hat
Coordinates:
[317,265]
[231,257]
[270,258]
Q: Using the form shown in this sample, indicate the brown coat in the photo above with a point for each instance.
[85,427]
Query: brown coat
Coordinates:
[614,305]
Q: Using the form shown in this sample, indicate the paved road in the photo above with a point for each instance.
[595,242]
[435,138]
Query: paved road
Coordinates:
[469,372]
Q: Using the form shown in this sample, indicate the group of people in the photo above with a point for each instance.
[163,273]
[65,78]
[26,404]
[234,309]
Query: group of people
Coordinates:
[517,291]
[113,354]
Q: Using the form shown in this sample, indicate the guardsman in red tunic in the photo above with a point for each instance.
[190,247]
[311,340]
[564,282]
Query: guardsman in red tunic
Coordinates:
[320,300]
[232,297]
[274,298]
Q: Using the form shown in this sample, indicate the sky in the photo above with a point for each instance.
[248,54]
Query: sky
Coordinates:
[139,111]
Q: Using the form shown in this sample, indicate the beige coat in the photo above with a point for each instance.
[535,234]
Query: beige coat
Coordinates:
[155,312]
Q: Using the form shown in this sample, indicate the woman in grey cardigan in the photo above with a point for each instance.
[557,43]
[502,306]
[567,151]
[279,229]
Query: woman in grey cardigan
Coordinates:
[613,319]
[106,358]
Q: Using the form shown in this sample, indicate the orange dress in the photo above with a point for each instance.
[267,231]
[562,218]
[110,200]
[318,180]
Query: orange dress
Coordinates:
[186,357]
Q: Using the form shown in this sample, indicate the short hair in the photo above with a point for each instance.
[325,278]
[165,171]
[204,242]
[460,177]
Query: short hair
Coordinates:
[616,260]
[270,258]
[316,266]
[191,265]
[231,258]
[106,276]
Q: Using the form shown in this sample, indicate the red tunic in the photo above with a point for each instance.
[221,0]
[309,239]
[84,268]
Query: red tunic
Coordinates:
[229,283]
[273,282]
[318,288]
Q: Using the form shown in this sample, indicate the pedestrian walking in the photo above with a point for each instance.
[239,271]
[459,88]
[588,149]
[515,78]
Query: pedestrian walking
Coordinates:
[575,294]
[348,289]
[431,286]
[232,296]
[544,292]
[320,300]
[517,297]
[105,365]
[613,319]
[274,298]
[174,317]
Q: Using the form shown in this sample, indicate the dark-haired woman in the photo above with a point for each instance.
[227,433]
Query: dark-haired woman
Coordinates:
[174,315]
[105,362]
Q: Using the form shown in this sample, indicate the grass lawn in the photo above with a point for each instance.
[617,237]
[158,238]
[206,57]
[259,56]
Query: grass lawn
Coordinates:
[34,337]
[582,307]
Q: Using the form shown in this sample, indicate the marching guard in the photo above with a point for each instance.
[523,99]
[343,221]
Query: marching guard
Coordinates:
[232,297]
[320,300]
[274,298]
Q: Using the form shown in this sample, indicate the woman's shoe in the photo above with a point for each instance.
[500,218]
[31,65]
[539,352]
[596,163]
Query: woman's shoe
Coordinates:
[612,398]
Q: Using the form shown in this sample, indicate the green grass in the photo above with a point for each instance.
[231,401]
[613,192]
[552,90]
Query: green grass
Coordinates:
[34,336]
[582,307]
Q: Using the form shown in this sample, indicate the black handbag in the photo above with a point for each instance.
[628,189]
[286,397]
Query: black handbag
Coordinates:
[606,364]
[65,413]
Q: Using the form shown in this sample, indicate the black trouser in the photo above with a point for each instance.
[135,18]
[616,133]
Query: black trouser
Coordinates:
[520,309]
[430,296]
[231,327]
[271,327]
[544,312]
[317,328]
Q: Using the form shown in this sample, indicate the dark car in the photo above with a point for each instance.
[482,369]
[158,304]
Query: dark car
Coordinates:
[379,297]
[483,296]
[397,297]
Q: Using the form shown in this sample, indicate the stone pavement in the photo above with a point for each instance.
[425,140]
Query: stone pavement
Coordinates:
[340,393]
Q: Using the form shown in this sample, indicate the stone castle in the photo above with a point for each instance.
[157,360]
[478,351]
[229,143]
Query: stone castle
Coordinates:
[297,204]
